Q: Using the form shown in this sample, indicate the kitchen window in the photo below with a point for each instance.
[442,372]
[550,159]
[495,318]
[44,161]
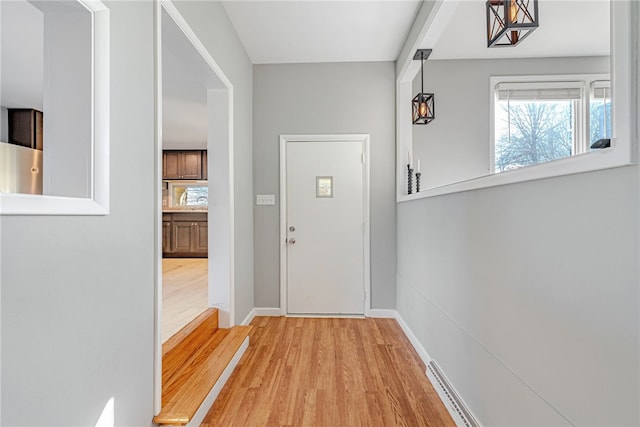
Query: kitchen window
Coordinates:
[545,118]
[189,194]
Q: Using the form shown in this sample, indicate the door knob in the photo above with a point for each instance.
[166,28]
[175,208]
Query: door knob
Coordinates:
[292,241]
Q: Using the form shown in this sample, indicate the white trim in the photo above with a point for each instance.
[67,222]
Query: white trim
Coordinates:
[455,415]
[283,226]
[364,140]
[98,201]
[426,359]
[367,226]
[157,309]
[171,9]
[247,320]
[624,82]
[267,311]
[263,311]
[382,313]
[326,316]
[217,387]
[413,339]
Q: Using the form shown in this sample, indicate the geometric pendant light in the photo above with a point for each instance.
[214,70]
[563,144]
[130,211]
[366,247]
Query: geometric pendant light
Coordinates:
[510,21]
[423,104]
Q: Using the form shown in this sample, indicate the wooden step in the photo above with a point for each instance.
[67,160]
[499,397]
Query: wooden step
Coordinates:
[177,350]
[195,365]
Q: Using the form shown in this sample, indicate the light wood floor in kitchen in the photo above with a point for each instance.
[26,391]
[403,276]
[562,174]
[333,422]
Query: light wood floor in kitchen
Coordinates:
[328,372]
[184,292]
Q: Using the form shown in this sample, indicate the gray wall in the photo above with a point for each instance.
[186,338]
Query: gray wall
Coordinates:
[211,24]
[325,99]
[77,321]
[527,296]
[78,292]
[456,145]
[66,157]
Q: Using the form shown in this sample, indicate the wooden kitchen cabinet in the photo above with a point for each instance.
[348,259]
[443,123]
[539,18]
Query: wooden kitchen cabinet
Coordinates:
[187,235]
[25,127]
[182,234]
[201,240]
[205,165]
[178,164]
[166,235]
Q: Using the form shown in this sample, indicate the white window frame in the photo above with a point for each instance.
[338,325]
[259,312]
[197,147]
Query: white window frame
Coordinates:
[581,128]
[97,203]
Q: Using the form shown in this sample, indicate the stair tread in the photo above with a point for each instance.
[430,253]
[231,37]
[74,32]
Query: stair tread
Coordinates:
[188,386]
[207,320]
[177,351]
[175,378]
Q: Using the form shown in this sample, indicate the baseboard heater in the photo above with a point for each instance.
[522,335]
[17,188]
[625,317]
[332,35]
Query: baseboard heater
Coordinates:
[458,410]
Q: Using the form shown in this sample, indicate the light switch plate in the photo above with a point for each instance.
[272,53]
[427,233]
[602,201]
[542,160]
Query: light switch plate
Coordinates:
[265,199]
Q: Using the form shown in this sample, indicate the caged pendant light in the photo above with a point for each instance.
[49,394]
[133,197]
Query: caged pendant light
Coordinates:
[510,21]
[423,105]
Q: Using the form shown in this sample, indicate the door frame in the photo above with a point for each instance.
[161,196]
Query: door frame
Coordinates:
[220,118]
[287,139]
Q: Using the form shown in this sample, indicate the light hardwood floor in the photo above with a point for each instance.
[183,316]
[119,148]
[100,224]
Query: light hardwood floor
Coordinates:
[328,372]
[184,292]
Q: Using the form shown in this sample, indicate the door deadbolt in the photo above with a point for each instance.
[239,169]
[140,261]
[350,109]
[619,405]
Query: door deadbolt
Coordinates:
[292,228]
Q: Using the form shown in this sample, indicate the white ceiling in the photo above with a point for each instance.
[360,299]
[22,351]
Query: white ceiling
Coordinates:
[302,31]
[567,28]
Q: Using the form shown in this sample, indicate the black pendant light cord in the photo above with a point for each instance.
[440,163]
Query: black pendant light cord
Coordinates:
[421,72]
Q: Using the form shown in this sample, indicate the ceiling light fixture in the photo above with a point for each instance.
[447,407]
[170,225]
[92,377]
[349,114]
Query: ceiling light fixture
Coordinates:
[423,106]
[510,21]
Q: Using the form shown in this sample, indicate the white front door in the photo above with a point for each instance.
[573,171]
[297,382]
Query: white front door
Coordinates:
[325,226]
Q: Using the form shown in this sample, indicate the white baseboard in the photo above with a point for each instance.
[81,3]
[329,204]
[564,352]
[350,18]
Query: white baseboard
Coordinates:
[261,311]
[414,341]
[217,387]
[327,316]
[267,311]
[382,313]
[461,422]
[456,407]
[247,320]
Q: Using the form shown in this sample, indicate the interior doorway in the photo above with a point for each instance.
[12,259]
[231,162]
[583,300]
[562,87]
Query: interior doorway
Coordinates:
[184,181]
[194,213]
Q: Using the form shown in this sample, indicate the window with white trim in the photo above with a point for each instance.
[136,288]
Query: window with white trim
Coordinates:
[544,118]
